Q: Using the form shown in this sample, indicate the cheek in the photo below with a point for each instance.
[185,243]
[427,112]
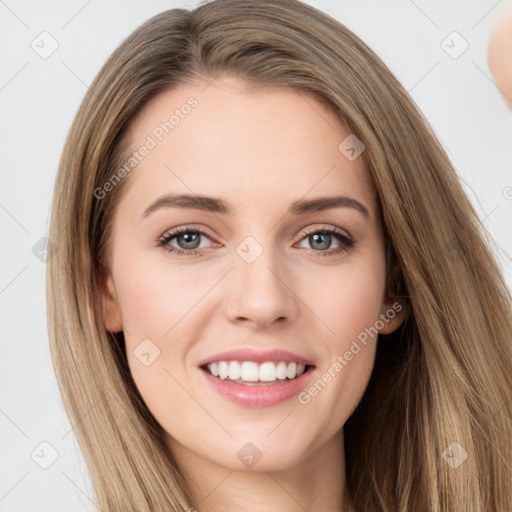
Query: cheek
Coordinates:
[349,306]
[347,299]
[154,299]
[161,312]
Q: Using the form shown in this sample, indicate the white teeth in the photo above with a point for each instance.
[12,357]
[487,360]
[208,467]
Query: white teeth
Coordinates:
[235,370]
[292,370]
[223,369]
[281,370]
[268,372]
[214,369]
[250,371]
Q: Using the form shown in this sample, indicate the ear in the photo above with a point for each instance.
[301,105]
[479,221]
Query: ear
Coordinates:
[392,315]
[112,317]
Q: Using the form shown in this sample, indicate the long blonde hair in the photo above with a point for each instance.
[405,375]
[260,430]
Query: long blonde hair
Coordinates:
[444,377]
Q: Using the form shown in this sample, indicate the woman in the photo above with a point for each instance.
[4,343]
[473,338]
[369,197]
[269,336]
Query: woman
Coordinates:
[271,291]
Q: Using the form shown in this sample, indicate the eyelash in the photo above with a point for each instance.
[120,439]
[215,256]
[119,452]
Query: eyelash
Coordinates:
[346,242]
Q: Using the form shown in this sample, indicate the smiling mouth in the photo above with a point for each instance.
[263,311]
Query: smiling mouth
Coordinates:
[250,373]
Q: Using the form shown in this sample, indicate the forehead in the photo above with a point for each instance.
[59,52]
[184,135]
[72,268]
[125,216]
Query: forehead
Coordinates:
[219,139]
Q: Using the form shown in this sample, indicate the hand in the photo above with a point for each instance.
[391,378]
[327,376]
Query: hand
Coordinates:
[499,56]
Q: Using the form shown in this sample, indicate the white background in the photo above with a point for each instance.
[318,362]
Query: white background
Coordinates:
[38,100]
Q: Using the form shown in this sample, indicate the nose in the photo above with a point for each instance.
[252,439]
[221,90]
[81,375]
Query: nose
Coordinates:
[261,292]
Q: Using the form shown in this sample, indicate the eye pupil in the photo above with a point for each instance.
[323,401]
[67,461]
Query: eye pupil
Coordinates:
[316,238]
[190,240]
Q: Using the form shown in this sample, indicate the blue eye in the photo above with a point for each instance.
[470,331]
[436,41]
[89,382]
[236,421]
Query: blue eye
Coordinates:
[322,238]
[188,241]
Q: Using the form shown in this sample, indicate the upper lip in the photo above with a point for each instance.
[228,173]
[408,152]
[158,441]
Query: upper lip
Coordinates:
[258,356]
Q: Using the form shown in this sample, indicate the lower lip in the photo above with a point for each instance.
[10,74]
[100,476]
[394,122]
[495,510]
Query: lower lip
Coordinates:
[264,395]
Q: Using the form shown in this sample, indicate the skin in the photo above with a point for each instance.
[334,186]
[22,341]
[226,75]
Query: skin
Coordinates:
[259,152]
[499,56]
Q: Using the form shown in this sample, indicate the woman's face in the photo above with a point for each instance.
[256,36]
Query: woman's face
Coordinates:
[263,275]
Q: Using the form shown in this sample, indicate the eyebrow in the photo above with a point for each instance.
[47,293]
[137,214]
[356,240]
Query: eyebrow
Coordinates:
[216,205]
